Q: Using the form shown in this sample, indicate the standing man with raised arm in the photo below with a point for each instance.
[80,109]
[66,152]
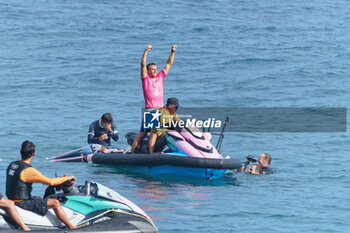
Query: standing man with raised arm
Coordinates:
[152,85]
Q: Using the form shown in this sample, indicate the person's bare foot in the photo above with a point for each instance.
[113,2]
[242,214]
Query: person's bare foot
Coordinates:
[82,225]
[25,228]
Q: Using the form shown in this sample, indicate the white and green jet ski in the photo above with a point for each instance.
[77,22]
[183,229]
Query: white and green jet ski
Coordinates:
[102,208]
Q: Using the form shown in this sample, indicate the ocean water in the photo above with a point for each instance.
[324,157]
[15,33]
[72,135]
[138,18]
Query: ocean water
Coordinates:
[64,63]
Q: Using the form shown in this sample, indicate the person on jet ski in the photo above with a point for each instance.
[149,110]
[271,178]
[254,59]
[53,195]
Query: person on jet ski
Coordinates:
[153,90]
[20,176]
[101,131]
[168,114]
[9,207]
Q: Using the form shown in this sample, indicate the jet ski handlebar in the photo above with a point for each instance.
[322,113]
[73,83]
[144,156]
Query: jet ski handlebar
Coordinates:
[68,187]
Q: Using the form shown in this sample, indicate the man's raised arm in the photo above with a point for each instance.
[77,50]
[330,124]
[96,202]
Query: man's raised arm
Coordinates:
[144,61]
[170,60]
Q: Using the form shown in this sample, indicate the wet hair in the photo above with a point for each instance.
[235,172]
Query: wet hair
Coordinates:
[107,118]
[258,168]
[27,149]
[151,64]
[267,157]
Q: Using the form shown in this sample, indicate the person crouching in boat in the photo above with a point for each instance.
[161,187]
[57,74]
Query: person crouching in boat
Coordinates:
[20,176]
[168,115]
[101,131]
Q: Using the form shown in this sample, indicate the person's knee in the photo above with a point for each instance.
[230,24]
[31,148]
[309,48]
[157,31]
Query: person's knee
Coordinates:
[56,203]
[53,203]
[140,137]
[11,203]
[7,203]
[153,137]
[137,140]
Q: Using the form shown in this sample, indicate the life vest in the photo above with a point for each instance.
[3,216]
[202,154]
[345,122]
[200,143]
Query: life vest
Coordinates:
[16,189]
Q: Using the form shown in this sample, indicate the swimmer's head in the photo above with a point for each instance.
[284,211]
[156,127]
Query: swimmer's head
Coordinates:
[264,160]
[255,169]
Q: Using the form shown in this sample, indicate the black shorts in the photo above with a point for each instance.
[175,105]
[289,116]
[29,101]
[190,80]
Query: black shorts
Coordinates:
[35,205]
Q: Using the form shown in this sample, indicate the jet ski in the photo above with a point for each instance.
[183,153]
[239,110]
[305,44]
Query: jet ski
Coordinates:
[184,152]
[98,207]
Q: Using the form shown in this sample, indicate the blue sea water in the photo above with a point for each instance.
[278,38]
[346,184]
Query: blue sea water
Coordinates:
[64,63]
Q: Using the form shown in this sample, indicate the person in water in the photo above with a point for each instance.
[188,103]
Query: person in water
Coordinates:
[10,208]
[255,169]
[152,85]
[167,115]
[20,176]
[264,161]
[101,131]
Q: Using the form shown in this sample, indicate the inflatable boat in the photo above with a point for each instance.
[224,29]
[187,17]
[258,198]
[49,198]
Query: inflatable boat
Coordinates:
[94,205]
[185,152]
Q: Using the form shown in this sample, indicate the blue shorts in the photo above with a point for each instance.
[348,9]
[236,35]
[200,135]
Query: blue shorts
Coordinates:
[36,205]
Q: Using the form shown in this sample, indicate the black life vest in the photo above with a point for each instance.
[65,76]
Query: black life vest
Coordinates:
[16,189]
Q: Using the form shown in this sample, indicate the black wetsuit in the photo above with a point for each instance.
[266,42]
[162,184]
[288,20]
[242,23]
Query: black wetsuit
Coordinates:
[266,171]
[96,130]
